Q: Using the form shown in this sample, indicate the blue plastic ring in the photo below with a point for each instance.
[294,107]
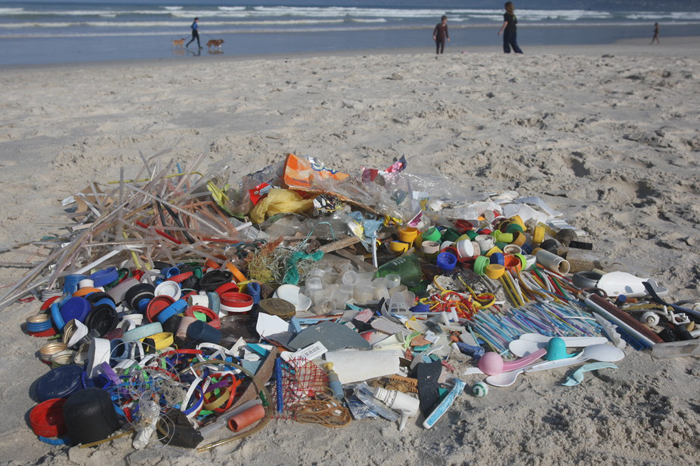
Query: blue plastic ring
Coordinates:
[56,316]
[171,310]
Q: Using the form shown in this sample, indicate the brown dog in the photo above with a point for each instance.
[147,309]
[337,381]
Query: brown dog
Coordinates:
[215,43]
[179,43]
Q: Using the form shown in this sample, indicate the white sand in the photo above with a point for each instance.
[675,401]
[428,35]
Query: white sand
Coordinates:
[607,134]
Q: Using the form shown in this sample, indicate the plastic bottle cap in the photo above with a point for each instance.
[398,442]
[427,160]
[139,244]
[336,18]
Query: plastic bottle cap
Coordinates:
[480,265]
[497,258]
[495,271]
[398,247]
[446,260]
[432,234]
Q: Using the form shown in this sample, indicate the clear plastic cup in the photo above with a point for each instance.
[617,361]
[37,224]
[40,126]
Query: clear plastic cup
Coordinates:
[363,294]
[314,284]
[350,278]
[392,280]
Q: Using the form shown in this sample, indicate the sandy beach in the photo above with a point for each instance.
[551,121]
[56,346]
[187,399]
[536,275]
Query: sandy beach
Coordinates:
[608,135]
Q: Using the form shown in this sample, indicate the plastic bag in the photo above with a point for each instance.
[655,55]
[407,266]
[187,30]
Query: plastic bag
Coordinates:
[279,201]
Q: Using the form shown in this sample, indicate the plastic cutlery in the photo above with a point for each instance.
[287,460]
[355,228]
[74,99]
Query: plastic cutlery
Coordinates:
[604,353]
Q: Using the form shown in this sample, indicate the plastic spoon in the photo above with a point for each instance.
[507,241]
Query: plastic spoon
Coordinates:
[604,353]
[531,342]
[492,363]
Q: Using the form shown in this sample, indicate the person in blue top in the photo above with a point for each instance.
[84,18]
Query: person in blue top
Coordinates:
[195,33]
[509,29]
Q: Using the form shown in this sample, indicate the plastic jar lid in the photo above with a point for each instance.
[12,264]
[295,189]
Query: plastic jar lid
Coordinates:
[138,293]
[208,315]
[156,305]
[46,418]
[495,271]
[49,349]
[103,319]
[60,382]
[168,288]
[236,300]
[226,287]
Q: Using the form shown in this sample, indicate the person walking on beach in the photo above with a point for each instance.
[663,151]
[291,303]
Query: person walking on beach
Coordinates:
[656,34]
[440,34]
[509,29]
[195,33]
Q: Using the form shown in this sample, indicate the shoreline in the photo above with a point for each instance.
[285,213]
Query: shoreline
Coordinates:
[684,46]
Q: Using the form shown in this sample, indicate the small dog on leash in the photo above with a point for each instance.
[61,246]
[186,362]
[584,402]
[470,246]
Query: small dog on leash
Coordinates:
[179,43]
[215,43]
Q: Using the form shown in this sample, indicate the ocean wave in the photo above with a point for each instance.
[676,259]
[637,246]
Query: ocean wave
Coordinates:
[264,27]
[181,25]
[654,16]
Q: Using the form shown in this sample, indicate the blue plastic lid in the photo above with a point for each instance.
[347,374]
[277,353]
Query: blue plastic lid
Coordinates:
[75,308]
[60,382]
[105,276]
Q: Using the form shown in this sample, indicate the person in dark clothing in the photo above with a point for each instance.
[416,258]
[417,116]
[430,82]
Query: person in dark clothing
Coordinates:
[195,33]
[656,34]
[509,29]
[440,34]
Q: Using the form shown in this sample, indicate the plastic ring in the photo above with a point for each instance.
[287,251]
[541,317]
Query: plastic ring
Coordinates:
[143,331]
[162,340]
[237,274]
[171,310]
[56,316]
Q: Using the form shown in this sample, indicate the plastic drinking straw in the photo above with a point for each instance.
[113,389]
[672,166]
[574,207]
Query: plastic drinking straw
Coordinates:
[176,208]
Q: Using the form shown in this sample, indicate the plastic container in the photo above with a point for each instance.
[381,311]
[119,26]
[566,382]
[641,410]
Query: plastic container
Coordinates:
[552,261]
[406,404]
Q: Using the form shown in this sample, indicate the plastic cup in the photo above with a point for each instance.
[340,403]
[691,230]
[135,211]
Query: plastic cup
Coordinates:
[363,294]
[350,278]
[392,281]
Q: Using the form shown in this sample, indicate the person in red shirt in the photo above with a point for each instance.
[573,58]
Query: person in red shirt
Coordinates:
[440,34]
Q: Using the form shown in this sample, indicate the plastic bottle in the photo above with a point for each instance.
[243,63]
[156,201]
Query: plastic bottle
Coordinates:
[405,404]
[407,267]
[334,382]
